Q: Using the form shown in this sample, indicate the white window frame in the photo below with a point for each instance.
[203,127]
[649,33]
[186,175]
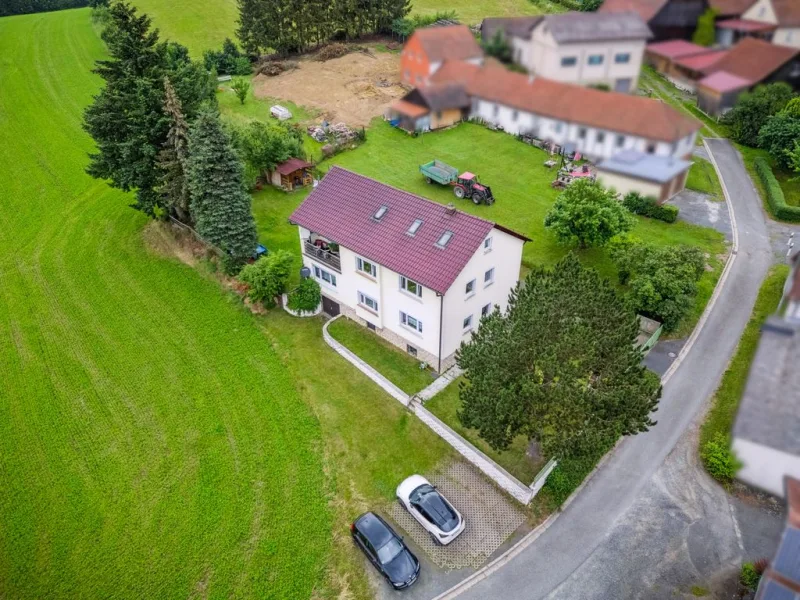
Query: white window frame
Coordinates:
[469,293]
[363,300]
[319,274]
[406,319]
[487,245]
[467,323]
[404,281]
[486,310]
[360,266]
[618,58]
[490,281]
[569,61]
[595,56]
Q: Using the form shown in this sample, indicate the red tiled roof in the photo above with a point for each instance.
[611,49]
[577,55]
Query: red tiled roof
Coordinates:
[787,12]
[647,9]
[292,165]
[571,103]
[745,25]
[754,59]
[404,107]
[675,49]
[722,81]
[342,206]
[698,62]
[731,7]
[449,42]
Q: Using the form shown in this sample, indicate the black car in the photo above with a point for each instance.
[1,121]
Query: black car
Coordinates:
[386,550]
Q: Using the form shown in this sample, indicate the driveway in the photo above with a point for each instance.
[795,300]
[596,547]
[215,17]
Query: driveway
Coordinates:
[616,535]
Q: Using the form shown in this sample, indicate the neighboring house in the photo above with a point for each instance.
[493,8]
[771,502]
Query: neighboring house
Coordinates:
[292,174]
[418,273]
[776,21]
[429,47]
[766,435]
[781,580]
[682,62]
[749,63]
[430,107]
[660,177]
[598,124]
[667,19]
[586,48]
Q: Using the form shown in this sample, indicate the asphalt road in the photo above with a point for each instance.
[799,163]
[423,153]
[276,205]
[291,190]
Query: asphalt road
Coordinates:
[618,514]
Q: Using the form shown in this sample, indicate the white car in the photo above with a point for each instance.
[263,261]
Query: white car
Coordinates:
[431,509]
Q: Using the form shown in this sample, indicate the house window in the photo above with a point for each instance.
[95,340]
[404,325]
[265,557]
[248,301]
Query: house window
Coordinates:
[651,148]
[325,276]
[515,115]
[439,115]
[412,287]
[569,61]
[371,326]
[620,141]
[488,277]
[601,137]
[366,267]
[495,110]
[411,350]
[582,133]
[410,321]
[487,244]
[407,75]
[468,322]
[595,59]
[623,58]
[559,127]
[470,288]
[486,309]
[367,302]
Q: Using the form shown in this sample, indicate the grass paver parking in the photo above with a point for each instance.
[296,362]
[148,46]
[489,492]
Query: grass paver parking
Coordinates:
[703,178]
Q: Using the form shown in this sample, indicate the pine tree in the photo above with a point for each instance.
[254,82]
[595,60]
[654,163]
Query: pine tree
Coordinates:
[220,206]
[172,187]
[559,366]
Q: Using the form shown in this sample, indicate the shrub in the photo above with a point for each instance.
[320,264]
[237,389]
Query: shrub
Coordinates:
[719,459]
[267,277]
[749,576]
[647,206]
[305,297]
[775,199]
[228,61]
[568,474]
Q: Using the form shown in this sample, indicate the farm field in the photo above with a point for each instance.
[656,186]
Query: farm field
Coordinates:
[204,24]
[156,439]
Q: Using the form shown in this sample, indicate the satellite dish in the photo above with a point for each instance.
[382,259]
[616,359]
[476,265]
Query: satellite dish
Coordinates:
[305,273]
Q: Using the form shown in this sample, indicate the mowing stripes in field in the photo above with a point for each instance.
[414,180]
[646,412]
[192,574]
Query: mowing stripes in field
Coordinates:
[152,444]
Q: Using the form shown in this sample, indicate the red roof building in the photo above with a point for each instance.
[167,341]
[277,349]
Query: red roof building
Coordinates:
[428,48]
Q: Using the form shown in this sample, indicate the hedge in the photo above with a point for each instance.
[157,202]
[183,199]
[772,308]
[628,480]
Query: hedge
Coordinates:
[775,199]
[647,206]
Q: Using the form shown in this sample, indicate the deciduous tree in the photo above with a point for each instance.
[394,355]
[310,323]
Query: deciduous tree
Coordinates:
[754,108]
[587,214]
[241,87]
[265,145]
[559,366]
[706,32]
[220,206]
[267,277]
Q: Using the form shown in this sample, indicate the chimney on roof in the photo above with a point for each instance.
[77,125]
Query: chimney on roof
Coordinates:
[450,209]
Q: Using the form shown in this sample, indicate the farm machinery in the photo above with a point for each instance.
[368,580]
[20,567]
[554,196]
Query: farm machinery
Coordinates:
[465,185]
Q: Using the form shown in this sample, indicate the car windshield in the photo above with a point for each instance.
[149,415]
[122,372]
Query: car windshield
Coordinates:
[434,507]
[389,551]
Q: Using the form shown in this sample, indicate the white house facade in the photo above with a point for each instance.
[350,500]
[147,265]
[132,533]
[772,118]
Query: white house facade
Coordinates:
[783,14]
[417,273]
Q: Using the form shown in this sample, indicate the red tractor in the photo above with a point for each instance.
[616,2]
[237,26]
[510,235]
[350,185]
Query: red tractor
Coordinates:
[468,186]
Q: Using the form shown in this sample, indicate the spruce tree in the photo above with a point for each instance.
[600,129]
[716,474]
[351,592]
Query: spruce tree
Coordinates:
[220,206]
[559,366]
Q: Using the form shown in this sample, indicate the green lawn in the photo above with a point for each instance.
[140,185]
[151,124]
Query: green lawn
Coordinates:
[726,400]
[703,178]
[156,439]
[398,367]
[515,460]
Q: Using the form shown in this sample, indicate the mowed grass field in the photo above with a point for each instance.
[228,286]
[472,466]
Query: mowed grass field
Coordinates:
[152,442]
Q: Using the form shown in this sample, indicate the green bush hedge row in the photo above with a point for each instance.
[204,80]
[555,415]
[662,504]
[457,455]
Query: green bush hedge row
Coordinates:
[647,206]
[775,198]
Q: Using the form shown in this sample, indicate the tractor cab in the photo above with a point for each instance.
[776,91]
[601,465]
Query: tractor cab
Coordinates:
[468,186]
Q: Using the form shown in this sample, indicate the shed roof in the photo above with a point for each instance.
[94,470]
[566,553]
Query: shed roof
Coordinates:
[519,27]
[787,12]
[449,42]
[597,27]
[769,413]
[342,207]
[727,8]
[698,62]
[646,9]
[649,167]
[292,165]
[674,49]
[754,59]
[440,96]
[722,82]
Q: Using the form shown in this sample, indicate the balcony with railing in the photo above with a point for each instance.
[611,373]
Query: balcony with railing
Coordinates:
[325,252]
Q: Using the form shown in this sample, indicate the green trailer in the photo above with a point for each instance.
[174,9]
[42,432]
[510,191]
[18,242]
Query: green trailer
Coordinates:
[439,172]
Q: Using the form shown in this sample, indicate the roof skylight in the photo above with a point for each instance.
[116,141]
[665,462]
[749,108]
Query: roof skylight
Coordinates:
[380,213]
[415,227]
[445,239]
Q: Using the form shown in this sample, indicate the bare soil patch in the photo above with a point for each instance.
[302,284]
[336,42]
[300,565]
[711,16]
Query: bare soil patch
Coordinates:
[353,88]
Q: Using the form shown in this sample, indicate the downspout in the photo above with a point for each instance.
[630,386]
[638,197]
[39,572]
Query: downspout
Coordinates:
[441,313]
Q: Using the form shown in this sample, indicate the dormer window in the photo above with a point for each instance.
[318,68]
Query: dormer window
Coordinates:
[414,227]
[445,239]
[380,213]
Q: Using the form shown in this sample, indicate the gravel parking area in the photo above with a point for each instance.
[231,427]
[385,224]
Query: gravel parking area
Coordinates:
[490,515]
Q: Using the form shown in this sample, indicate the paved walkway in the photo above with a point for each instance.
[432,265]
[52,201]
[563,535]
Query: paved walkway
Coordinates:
[615,498]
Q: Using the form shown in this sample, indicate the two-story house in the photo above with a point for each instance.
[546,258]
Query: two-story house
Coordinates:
[417,273]
[428,48]
[776,21]
[667,19]
[586,48]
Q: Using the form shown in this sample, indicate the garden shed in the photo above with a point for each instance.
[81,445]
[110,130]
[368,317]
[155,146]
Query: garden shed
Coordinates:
[630,171]
[291,174]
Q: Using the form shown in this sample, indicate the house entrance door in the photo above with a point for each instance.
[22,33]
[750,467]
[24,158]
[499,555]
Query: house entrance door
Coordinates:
[330,307]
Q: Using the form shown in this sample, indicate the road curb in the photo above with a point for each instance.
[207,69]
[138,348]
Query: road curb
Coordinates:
[531,537]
